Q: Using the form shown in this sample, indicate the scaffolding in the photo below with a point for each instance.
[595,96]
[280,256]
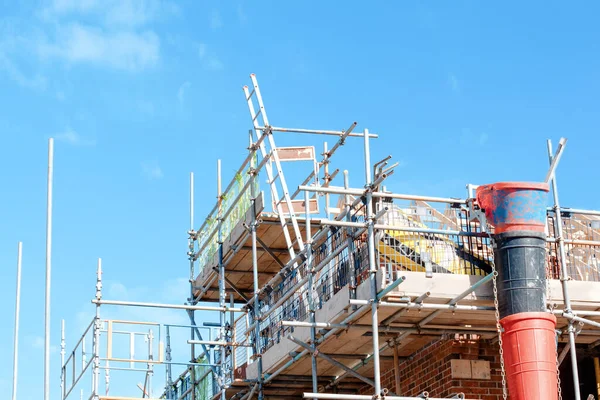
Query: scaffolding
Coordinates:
[299,267]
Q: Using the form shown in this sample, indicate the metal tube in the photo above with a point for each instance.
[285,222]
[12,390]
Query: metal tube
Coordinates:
[170,306]
[222,316]
[219,343]
[437,330]
[425,306]
[232,337]
[397,314]
[48,271]
[169,376]
[574,242]
[563,354]
[572,317]
[16,331]
[372,269]
[97,327]
[342,140]
[300,283]
[62,359]
[256,301]
[404,228]
[458,298]
[597,373]
[331,361]
[564,274]
[576,211]
[239,171]
[310,299]
[396,368]
[337,396]
[376,194]
[555,159]
[390,287]
[206,242]
[315,132]
[356,314]
[191,246]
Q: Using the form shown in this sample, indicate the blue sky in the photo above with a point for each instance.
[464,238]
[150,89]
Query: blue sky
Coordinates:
[138,93]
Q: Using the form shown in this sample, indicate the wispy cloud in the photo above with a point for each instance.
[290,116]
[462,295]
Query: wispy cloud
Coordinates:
[36,81]
[123,50]
[152,171]
[12,43]
[118,13]
[242,17]
[181,91]
[71,137]
[215,20]
[114,34]
[454,83]
[471,137]
[483,138]
[202,50]
[208,59]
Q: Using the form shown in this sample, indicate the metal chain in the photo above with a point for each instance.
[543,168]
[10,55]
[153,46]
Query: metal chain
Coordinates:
[558,372]
[551,308]
[499,329]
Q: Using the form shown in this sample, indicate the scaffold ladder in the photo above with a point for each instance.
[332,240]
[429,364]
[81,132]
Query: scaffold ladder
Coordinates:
[259,117]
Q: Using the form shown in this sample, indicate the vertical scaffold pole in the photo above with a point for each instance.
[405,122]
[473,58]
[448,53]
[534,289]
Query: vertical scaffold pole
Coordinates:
[63,346]
[310,294]
[329,274]
[48,270]
[192,300]
[169,375]
[97,327]
[221,281]
[372,267]
[564,275]
[17,316]
[256,302]
[231,337]
[350,234]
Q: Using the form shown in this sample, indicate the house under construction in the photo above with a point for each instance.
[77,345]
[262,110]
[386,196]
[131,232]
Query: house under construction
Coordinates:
[325,291]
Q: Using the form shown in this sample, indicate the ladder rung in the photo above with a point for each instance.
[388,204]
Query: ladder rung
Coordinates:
[280,201]
[257,114]
[250,95]
[274,178]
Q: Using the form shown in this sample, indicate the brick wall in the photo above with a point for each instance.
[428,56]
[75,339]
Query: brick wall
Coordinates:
[430,369]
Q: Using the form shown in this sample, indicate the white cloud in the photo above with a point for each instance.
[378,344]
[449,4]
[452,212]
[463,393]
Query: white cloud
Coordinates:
[215,20]
[454,83]
[121,50]
[73,138]
[152,171]
[214,64]
[36,81]
[11,43]
[241,14]
[202,50]
[118,291]
[108,33]
[181,92]
[208,59]
[120,13]
[483,138]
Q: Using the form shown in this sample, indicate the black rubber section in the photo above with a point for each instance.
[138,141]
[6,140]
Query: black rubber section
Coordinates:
[521,263]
